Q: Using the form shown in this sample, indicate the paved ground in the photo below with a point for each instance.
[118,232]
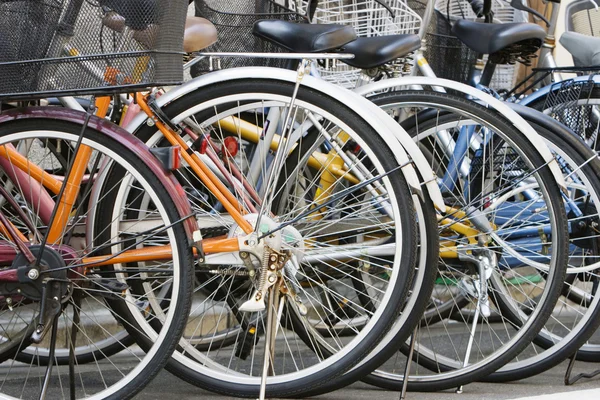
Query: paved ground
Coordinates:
[547,386]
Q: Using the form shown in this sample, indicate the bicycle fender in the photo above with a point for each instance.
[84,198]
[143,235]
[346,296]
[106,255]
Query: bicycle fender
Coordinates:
[372,114]
[483,98]
[122,137]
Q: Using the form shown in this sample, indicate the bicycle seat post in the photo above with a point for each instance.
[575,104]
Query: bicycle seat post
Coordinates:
[488,73]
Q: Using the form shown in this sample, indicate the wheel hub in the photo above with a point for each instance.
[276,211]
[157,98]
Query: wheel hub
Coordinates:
[275,252]
[31,280]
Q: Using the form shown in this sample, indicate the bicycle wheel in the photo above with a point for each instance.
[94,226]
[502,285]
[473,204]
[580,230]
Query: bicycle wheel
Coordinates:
[486,194]
[580,112]
[107,344]
[81,269]
[348,237]
[576,316]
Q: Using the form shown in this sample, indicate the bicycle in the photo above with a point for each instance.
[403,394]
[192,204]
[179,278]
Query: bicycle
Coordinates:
[49,275]
[568,345]
[378,195]
[167,99]
[357,47]
[559,100]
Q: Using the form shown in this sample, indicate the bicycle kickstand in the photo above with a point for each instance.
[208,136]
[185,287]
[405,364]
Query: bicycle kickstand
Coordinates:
[408,362]
[48,374]
[270,333]
[571,380]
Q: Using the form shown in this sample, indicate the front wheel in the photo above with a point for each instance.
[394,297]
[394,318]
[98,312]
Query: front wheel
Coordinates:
[98,293]
[492,249]
[356,221]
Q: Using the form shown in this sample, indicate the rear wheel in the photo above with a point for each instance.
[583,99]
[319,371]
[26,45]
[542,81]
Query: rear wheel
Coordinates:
[466,342]
[110,291]
[358,243]
[575,317]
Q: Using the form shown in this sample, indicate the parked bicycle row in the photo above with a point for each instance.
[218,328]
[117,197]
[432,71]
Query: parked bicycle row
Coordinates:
[311,208]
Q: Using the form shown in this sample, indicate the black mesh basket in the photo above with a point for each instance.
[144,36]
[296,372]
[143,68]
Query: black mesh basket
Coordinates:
[67,47]
[234,20]
[447,55]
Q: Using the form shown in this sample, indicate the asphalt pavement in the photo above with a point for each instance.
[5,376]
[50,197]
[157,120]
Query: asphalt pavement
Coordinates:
[546,386]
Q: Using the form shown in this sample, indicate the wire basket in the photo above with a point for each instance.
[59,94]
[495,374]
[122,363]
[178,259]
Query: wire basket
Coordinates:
[67,47]
[368,18]
[234,20]
[441,43]
[587,22]
[447,56]
[568,103]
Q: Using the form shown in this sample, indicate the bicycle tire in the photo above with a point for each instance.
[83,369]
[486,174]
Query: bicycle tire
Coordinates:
[446,377]
[557,344]
[272,92]
[44,123]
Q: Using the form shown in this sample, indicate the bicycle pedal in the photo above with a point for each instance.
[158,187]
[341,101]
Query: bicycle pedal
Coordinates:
[108,288]
[245,346]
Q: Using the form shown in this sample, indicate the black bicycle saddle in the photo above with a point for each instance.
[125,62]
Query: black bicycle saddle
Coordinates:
[304,38]
[372,52]
[520,38]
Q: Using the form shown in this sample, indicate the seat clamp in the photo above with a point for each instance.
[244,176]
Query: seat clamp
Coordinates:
[549,42]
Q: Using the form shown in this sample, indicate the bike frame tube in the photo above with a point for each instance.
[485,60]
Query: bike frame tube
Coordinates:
[128,141]
[8,229]
[459,227]
[456,160]
[75,178]
[382,122]
[23,164]
[69,197]
[157,253]
[36,196]
[212,182]
[546,57]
